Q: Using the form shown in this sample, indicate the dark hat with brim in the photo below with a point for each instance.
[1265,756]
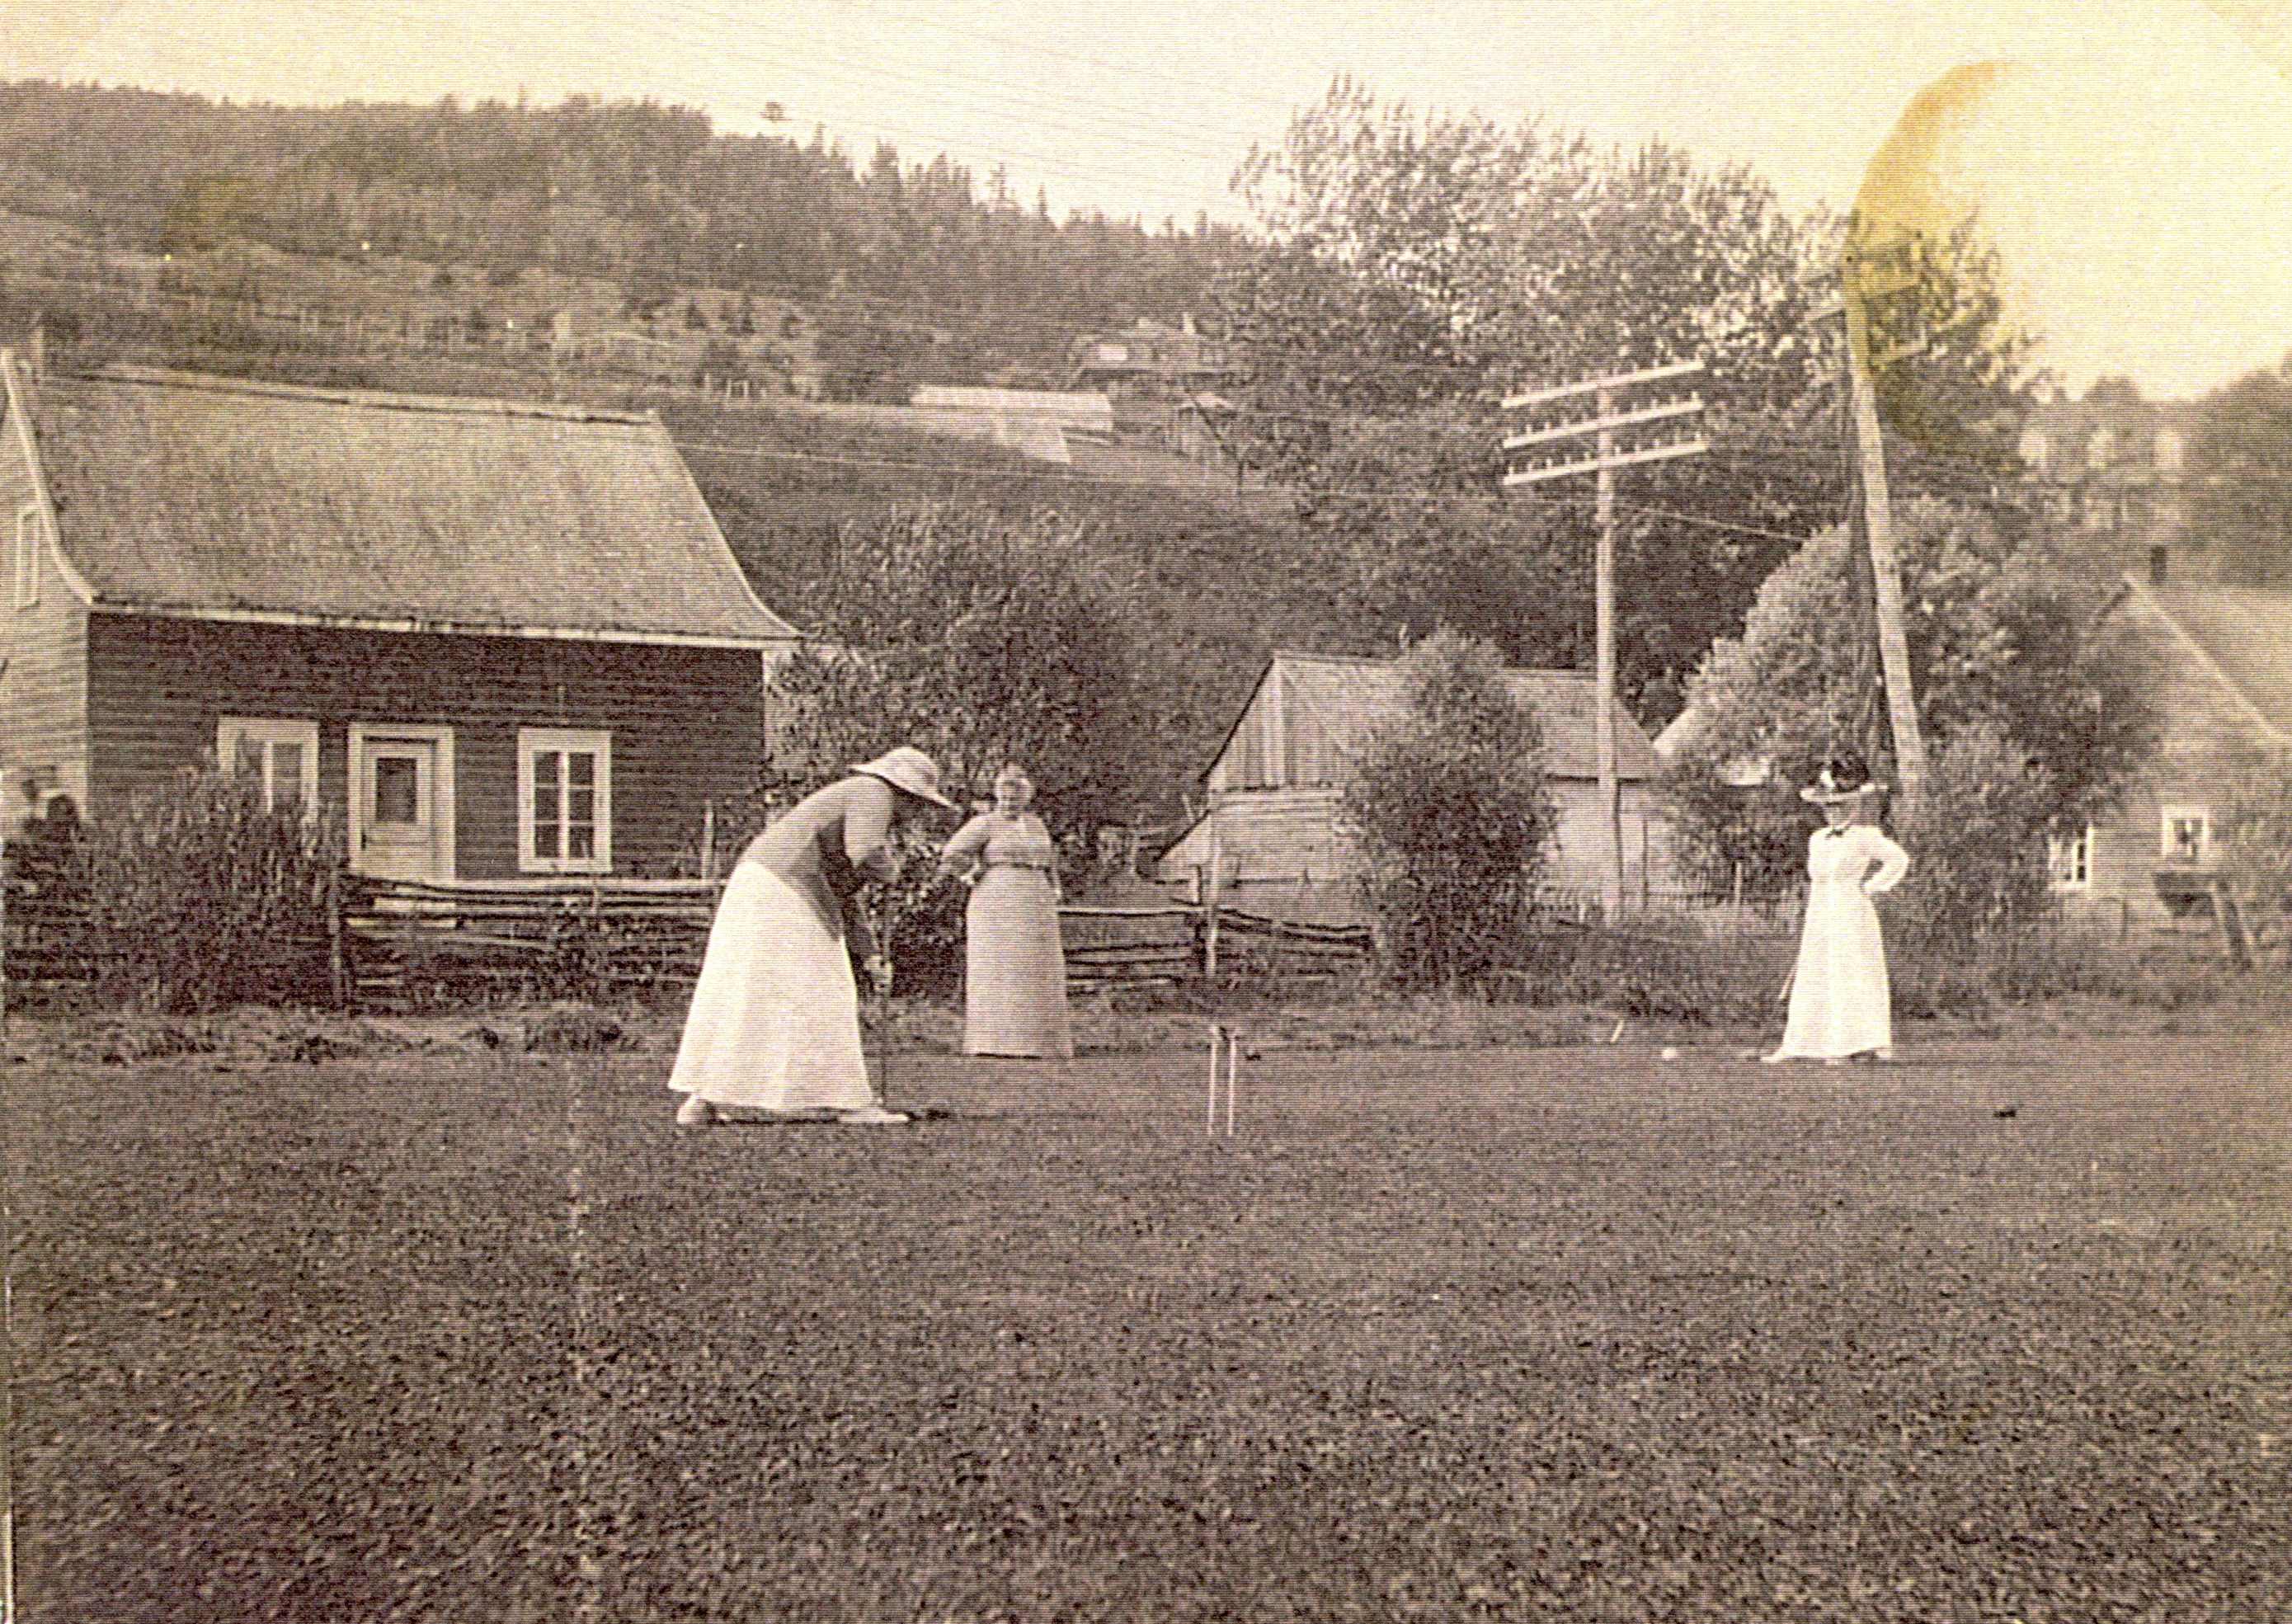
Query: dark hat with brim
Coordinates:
[1842,779]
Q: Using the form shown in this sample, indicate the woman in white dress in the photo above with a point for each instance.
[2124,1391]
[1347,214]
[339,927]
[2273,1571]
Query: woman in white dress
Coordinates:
[1014,998]
[774,1025]
[1841,1003]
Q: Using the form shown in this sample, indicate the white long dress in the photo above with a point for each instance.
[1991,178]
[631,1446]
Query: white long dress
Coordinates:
[774,1025]
[1841,1002]
[1015,968]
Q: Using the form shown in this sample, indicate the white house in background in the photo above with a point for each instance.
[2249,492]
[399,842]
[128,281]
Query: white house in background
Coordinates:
[1270,837]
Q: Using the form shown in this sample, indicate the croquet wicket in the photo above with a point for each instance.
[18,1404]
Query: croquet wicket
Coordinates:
[1229,1038]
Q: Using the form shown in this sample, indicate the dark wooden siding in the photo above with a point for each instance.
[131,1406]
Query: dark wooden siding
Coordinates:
[687,725]
[2206,734]
[43,691]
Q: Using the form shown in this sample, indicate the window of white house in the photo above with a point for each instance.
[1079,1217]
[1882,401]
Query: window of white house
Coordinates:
[26,557]
[2098,449]
[2188,835]
[2172,450]
[2070,858]
[564,800]
[282,752]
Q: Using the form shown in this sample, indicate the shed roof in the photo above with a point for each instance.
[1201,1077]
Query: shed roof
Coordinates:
[181,494]
[1353,697]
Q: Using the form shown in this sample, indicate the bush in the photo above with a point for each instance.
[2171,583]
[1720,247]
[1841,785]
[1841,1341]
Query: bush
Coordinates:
[211,898]
[1451,811]
[2255,840]
[1977,843]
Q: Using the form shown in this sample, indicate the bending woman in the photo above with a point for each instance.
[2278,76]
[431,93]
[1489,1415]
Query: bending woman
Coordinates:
[1840,1002]
[1014,979]
[774,1025]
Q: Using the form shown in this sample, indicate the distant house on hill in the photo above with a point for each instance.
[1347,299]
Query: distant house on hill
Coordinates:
[2114,465]
[1270,840]
[2220,670]
[502,639]
[1147,358]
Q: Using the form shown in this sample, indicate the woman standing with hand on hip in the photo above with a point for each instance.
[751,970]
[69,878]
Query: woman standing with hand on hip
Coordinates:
[1014,969]
[1840,1002]
[774,1025]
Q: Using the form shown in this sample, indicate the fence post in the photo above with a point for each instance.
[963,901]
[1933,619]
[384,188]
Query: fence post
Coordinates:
[1209,889]
[337,970]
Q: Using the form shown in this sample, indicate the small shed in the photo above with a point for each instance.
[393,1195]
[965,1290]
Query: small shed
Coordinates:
[1270,841]
[501,638]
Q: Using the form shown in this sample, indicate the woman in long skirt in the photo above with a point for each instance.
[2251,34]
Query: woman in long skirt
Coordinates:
[1014,969]
[774,1025]
[1840,1002]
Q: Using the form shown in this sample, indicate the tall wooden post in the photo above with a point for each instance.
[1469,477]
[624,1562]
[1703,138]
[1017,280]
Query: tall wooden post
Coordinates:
[1886,580]
[1603,658]
[1865,276]
[1607,457]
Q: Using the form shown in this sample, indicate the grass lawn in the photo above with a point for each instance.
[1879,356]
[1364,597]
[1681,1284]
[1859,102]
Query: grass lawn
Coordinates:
[1572,1333]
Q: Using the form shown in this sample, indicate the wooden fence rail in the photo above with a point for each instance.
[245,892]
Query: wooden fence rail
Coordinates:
[385,937]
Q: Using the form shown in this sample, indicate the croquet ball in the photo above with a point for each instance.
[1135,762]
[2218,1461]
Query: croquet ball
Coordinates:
[1671,1054]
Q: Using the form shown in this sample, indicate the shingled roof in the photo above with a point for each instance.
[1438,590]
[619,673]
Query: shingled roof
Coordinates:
[185,495]
[1351,696]
[2239,634]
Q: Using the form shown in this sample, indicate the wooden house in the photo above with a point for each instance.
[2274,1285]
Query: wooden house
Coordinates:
[1269,842]
[1146,358]
[2219,673]
[501,638]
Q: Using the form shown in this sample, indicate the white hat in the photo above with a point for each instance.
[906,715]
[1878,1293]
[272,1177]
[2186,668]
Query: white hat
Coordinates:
[908,770]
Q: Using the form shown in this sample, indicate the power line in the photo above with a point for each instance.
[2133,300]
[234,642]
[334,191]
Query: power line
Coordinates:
[1427,497]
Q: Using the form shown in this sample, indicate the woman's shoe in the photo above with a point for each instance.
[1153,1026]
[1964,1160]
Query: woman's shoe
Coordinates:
[1775,1058]
[696,1113]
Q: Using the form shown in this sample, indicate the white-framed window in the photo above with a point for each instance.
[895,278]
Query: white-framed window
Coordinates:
[2172,451]
[564,800]
[26,559]
[283,752]
[2100,449]
[2186,835]
[2069,858]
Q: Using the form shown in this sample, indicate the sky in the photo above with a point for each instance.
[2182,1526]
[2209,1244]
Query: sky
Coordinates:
[2131,160]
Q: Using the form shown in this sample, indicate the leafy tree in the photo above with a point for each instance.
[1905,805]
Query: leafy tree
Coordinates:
[2244,498]
[2004,638]
[1449,808]
[2255,842]
[979,638]
[1415,270]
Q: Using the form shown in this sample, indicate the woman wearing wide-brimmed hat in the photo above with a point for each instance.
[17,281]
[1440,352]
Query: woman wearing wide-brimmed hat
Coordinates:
[1841,1002]
[1014,983]
[774,1025]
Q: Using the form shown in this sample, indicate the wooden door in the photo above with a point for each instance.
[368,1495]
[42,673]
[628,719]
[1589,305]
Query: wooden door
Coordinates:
[399,825]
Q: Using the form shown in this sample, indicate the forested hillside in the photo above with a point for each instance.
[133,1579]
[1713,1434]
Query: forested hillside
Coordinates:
[925,261]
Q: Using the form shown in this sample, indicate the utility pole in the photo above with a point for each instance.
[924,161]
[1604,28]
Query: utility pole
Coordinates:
[1607,457]
[1862,282]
